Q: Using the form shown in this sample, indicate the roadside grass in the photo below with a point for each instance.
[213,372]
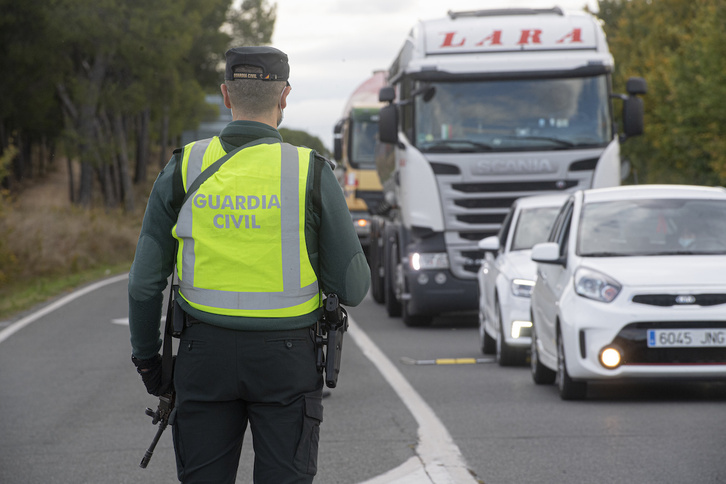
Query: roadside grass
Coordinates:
[22,297]
[49,247]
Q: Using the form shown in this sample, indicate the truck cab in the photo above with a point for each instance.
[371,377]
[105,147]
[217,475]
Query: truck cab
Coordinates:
[485,107]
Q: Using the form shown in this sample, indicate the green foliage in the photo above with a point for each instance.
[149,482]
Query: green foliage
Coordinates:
[302,138]
[70,67]
[679,47]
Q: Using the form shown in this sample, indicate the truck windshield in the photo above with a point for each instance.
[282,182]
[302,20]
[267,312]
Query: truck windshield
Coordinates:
[513,115]
[363,133]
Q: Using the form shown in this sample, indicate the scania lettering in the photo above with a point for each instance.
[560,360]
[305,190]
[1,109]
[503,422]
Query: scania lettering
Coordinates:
[485,107]
[354,144]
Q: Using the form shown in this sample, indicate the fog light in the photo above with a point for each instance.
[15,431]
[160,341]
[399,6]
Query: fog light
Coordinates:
[422,279]
[610,358]
[517,327]
[440,278]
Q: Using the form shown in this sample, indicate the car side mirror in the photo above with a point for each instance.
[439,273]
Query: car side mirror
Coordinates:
[489,244]
[547,253]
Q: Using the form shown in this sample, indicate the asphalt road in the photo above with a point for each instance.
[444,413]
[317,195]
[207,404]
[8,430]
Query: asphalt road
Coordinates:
[72,410]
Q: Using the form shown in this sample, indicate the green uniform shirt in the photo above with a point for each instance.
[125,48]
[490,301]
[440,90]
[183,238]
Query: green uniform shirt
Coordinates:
[333,247]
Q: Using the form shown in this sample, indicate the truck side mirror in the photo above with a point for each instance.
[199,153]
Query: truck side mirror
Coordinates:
[387,94]
[632,116]
[633,107]
[636,85]
[388,124]
[338,140]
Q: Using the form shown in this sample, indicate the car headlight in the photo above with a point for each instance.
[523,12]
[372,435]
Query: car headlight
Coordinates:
[522,287]
[596,285]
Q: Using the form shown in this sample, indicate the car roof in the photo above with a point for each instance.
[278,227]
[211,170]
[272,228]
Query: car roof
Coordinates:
[628,192]
[551,200]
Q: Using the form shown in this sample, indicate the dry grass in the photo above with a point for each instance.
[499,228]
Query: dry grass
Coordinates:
[47,245]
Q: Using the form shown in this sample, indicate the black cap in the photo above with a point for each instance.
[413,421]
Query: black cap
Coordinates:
[272,61]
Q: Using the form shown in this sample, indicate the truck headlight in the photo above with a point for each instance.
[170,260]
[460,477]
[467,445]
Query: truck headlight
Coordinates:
[596,285]
[424,261]
[522,287]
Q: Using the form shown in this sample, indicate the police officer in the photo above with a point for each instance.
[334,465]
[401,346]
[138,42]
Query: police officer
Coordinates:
[258,242]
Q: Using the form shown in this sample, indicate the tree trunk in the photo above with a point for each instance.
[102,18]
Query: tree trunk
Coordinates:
[86,128]
[71,184]
[127,193]
[164,157]
[142,146]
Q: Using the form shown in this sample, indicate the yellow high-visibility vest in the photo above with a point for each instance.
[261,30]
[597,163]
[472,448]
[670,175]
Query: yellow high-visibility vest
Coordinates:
[242,249]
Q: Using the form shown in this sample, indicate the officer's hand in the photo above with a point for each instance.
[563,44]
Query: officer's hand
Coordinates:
[150,371]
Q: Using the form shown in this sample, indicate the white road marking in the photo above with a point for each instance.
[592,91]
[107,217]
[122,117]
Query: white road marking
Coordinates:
[439,459]
[18,325]
[125,321]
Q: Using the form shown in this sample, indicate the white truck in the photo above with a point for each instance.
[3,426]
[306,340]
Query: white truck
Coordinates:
[486,107]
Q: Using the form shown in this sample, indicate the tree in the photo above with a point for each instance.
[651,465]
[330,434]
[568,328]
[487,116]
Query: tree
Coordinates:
[116,76]
[679,47]
[302,138]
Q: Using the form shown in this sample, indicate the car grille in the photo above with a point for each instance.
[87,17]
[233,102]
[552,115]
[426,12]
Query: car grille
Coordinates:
[632,339]
[680,300]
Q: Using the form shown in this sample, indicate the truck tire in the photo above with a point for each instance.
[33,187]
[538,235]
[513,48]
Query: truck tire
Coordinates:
[375,260]
[390,261]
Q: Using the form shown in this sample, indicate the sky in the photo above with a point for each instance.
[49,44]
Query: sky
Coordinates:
[335,45]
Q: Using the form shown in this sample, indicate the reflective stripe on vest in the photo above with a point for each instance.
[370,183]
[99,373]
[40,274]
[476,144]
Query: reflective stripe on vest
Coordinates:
[242,242]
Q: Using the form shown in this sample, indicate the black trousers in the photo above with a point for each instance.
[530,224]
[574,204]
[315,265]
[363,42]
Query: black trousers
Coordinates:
[225,379]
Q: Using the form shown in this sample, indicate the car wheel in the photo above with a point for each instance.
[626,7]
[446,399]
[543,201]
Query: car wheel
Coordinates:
[390,261]
[506,355]
[488,344]
[569,389]
[540,373]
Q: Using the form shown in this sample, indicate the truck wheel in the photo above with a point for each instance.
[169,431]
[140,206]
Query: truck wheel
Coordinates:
[390,261]
[375,261]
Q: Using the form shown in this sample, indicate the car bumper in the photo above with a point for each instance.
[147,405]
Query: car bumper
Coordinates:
[590,326]
[516,319]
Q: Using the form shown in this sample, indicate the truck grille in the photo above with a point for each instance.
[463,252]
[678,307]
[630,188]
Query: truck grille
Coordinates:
[474,204]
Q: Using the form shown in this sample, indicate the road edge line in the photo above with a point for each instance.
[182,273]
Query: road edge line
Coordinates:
[20,324]
[441,458]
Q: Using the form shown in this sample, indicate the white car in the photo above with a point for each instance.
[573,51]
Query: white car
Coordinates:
[507,275]
[624,291]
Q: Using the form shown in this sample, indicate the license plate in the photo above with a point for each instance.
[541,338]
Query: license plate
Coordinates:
[686,338]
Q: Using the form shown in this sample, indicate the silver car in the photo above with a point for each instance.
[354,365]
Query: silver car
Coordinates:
[506,277]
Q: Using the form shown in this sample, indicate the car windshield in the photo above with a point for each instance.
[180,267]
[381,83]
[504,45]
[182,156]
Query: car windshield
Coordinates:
[533,226]
[653,227]
[512,115]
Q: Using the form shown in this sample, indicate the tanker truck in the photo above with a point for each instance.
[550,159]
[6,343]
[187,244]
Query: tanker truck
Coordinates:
[354,141]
